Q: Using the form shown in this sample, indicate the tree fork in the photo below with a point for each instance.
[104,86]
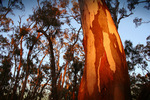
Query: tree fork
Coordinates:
[105,74]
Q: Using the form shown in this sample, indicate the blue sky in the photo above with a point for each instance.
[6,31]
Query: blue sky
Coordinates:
[127,29]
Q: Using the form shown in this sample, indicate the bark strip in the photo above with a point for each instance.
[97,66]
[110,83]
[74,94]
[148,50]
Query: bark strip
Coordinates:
[105,74]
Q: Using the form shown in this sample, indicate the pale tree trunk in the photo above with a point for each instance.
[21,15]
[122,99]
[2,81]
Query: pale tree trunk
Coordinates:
[105,74]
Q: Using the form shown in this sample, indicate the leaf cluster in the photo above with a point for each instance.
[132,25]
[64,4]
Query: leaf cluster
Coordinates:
[47,15]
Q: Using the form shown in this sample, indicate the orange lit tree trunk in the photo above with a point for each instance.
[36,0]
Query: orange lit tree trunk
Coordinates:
[28,67]
[105,75]
[17,76]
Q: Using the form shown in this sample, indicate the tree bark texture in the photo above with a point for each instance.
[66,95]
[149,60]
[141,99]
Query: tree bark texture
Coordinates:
[105,74]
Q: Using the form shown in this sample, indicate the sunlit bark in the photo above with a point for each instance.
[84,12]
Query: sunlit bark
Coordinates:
[105,75]
[28,67]
[20,63]
[17,76]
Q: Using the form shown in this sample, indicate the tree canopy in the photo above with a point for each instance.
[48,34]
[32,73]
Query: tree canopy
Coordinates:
[43,57]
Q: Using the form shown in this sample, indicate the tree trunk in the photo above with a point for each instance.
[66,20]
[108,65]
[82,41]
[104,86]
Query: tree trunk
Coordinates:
[105,74]
[17,76]
[28,67]
[53,72]
[53,67]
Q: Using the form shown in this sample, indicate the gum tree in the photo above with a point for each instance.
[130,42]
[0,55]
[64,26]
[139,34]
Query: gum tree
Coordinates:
[106,74]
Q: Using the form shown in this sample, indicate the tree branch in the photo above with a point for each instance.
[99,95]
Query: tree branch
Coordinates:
[123,17]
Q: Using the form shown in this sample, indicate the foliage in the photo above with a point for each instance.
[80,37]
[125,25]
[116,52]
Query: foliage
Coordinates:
[6,22]
[137,58]
[120,12]
[5,77]
[132,5]
[41,45]
[47,15]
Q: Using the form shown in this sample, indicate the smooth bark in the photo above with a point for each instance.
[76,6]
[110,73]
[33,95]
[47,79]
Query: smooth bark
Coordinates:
[105,74]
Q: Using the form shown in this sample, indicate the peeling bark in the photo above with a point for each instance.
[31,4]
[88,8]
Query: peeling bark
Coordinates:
[105,75]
